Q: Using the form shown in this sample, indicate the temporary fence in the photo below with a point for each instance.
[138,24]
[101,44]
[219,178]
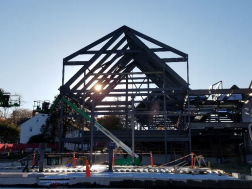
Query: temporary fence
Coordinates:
[22,147]
[71,153]
[191,154]
[5,164]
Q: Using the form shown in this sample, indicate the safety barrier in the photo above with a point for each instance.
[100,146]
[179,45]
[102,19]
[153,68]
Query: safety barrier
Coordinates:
[22,147]
[151,158]
[191,154]
[71,153]
[12,163]
[74,159]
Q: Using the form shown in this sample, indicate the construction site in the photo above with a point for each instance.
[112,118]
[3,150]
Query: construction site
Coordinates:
[173,136]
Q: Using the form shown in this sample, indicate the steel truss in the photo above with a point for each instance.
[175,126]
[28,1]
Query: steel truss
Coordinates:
[150,94]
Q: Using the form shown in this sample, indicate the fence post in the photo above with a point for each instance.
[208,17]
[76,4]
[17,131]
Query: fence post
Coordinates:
[151,159]
[113,160]
[33,160]
[74,160]
[192,159]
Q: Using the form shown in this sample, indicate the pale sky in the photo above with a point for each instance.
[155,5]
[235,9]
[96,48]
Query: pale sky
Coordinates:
[35,36]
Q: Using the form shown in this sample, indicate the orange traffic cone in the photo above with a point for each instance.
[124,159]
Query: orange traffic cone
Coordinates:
[87,169]
[151,159]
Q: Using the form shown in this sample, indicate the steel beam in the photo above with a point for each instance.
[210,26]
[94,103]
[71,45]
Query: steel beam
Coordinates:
[92,45]
[133,128]
[113,52]
[75,63]
[174,59]
[169,48]
[199,92]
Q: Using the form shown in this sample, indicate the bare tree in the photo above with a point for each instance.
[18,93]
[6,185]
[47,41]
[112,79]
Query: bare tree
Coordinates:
[20,114]
[4,113]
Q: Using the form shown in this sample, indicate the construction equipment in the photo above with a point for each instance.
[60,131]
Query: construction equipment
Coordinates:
[198,159]
[45,106]
[102,129]
[83,114]
[8,100]
[70,161]
[41,106]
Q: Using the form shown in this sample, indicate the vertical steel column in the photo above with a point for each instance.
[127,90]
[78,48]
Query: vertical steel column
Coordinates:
[217,113]
[79,127]
[165,115]
[82,125]
[83,109]
[148,85]
[133,128]
[188,107]
[61,111]
[63,73]
[59,131]
[127,99]
[243,148]
[61,126]
[92,131]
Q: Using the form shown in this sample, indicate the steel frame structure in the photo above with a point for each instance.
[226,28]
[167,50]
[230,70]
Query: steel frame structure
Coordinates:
[152,95]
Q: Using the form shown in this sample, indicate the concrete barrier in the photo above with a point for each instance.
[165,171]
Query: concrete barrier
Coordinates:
[19,181]
[248,177]
[238,175]
[13,174]
[152,182]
